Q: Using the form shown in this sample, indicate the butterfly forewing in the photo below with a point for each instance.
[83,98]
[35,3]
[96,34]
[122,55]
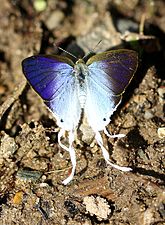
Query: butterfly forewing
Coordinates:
[46,74]
[52,78]
[115,69]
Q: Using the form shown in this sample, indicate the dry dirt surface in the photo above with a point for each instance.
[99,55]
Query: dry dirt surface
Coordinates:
[32,164]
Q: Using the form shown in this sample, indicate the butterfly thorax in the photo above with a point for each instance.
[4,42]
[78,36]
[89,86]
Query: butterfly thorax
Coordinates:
[81,73]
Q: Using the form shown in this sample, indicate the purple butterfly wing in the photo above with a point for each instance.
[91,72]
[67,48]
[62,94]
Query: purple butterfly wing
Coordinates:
[53,79]
[46,74]
[115,69]
[109,75]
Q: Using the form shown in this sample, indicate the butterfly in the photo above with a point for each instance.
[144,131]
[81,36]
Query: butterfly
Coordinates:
[94,87]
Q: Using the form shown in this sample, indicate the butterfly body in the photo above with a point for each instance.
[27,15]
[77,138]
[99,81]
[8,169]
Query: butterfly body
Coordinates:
[81,74]
[96,87]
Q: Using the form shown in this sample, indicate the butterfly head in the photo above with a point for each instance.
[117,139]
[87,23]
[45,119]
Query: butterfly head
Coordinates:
[80,61]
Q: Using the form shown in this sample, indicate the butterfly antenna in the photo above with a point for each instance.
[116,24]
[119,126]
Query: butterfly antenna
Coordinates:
[97,45]
[92,51]
[66,51]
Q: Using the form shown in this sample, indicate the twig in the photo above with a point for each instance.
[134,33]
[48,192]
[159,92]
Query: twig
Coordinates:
[12,98]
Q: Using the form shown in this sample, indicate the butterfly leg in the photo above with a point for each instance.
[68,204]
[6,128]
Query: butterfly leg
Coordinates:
[60,134]
[72,154]
[113,135]
[106,154]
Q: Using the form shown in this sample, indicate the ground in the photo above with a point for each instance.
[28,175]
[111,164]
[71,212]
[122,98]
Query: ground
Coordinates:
[32,165]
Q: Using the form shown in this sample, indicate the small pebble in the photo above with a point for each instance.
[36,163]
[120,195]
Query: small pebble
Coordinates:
[39,5]
[2,89]
[148,115]
[54,19]
[18,197]
[31,175]
[161,132]
[97,206]
[8,146]
[161,91]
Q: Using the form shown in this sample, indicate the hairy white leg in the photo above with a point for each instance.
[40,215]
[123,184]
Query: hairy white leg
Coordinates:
[72,155]
[106,154]
[113,135]
[60,134]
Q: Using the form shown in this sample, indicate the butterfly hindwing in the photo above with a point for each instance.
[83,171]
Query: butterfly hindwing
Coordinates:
[100,104]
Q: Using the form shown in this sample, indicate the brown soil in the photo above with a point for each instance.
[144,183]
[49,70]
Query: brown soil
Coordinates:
[32,165]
